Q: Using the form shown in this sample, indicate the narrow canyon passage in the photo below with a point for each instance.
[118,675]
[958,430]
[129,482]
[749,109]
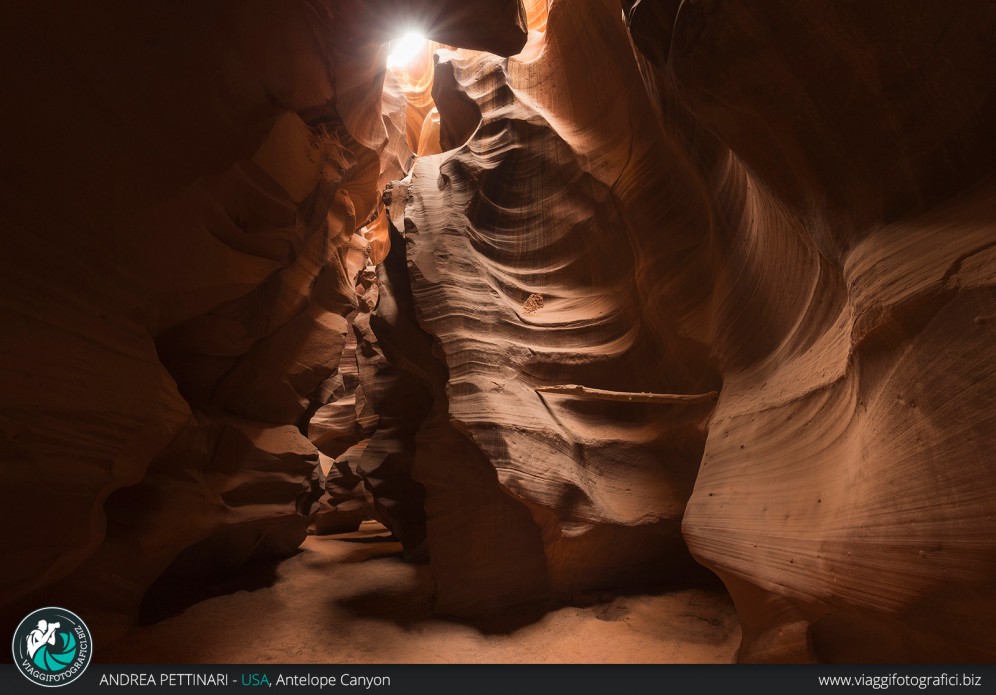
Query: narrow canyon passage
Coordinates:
[502,330]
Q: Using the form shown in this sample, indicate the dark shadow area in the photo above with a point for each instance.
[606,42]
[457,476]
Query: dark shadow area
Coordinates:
[505,623]
[704,580]
[415,604]
[403,608]
[373,552]
[173,593]
[370,539]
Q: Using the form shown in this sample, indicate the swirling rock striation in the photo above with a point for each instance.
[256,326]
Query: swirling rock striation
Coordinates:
[845,493]
[532,272]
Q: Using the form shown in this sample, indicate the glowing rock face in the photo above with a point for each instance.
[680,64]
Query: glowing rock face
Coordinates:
[840,304]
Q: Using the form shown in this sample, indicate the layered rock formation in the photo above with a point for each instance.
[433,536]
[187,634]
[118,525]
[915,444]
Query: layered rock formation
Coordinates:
[804,254]
[530,270]
[587,287]
[188,246]
[845,493]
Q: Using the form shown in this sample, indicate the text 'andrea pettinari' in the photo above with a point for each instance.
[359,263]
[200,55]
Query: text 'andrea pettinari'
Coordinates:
[248,680]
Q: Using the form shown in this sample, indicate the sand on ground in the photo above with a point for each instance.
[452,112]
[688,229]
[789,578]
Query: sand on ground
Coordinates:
[352,599]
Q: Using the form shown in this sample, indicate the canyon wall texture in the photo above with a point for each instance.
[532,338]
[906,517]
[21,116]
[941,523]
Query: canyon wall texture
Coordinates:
[846,492]
[190,232]
[798,214]
[535,266]
[590,297]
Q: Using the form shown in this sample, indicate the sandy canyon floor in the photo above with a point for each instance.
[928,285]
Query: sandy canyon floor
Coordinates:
[351,599]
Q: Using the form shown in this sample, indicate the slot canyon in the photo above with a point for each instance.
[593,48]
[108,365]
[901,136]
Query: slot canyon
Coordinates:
[501,330]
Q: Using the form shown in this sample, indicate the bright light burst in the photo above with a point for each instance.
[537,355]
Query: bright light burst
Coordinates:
[402,51]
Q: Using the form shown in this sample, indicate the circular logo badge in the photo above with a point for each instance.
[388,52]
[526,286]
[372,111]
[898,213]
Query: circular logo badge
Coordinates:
[52,647]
